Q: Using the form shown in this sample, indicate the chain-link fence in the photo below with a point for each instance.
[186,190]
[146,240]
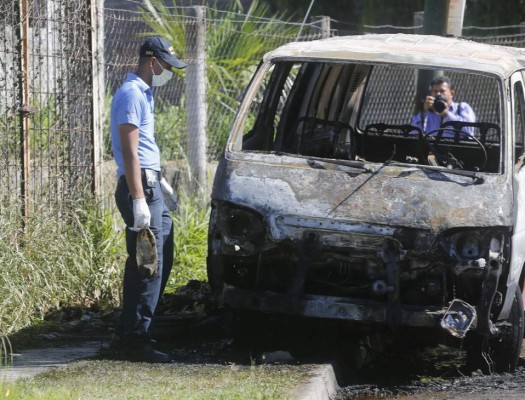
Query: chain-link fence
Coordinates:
[51,80]
[46,106]
[222,49]
[509,35]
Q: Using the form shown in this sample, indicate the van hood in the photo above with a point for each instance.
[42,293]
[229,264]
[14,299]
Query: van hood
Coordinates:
[396,196]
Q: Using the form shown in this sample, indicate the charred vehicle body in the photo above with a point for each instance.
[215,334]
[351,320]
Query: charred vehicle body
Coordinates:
[327,203]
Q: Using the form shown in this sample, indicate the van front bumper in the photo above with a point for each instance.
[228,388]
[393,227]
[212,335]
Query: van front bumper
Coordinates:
[330,307]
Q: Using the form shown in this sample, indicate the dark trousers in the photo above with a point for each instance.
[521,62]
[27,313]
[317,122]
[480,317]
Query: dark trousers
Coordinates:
[141,295]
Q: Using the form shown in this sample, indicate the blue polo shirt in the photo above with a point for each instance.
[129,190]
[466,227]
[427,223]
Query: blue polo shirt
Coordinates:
[133,104]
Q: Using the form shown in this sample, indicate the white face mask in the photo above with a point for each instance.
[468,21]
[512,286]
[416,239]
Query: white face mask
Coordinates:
[162,78]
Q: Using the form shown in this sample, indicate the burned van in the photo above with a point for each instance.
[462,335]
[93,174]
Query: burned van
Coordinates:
[330,202]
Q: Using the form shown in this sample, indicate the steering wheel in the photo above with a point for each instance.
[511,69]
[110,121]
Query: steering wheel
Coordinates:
[444,157]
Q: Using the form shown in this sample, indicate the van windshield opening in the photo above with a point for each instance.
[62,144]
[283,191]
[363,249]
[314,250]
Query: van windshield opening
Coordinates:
[376,113]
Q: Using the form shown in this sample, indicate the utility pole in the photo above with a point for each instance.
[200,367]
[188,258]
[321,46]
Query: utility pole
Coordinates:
[196,99]
[434,23]
[435,17]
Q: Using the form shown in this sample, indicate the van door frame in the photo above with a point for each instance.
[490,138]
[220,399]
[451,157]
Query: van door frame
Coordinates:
[517,257]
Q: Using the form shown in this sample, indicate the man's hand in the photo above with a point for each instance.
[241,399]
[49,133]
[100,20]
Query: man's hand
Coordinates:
[428,103]
[141,214]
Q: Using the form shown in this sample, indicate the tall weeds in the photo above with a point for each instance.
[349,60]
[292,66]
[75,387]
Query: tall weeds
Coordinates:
[6,353]
[191,235]
[60,257]
[74,256]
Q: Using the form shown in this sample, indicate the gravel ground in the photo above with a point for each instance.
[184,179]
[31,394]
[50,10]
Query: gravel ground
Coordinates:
[430,374]
[493,387]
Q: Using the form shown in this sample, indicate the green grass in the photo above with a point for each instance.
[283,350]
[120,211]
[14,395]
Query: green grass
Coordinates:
[102,379]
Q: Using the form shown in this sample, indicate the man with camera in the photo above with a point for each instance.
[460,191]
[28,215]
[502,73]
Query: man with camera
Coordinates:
[438,108]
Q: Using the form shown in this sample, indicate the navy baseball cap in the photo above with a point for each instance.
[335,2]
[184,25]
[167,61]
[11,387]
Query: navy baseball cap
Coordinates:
[161,48]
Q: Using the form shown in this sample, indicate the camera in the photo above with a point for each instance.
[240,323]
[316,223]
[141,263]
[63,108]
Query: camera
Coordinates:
[440,104]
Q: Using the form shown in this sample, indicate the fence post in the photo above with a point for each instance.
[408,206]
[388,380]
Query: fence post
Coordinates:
[196,99]
[97,60]
[322,23]
[26,109]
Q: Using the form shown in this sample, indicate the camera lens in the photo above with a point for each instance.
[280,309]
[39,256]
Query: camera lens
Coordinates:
[440,104]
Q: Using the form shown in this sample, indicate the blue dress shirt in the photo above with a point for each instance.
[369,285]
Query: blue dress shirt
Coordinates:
[456,112]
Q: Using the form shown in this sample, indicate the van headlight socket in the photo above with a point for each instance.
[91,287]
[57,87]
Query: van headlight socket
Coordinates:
[469,245]
[242,228]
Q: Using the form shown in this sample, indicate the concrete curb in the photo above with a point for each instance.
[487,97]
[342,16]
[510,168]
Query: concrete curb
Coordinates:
[34,361]
[321,386]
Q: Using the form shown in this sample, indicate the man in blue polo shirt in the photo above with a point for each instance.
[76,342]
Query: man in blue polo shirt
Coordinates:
[434,115]
[139,195]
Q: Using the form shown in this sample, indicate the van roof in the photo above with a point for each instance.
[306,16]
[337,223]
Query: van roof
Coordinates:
[424,50]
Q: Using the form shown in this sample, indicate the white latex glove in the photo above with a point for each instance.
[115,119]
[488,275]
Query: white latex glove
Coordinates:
[168,190]
[141,214]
